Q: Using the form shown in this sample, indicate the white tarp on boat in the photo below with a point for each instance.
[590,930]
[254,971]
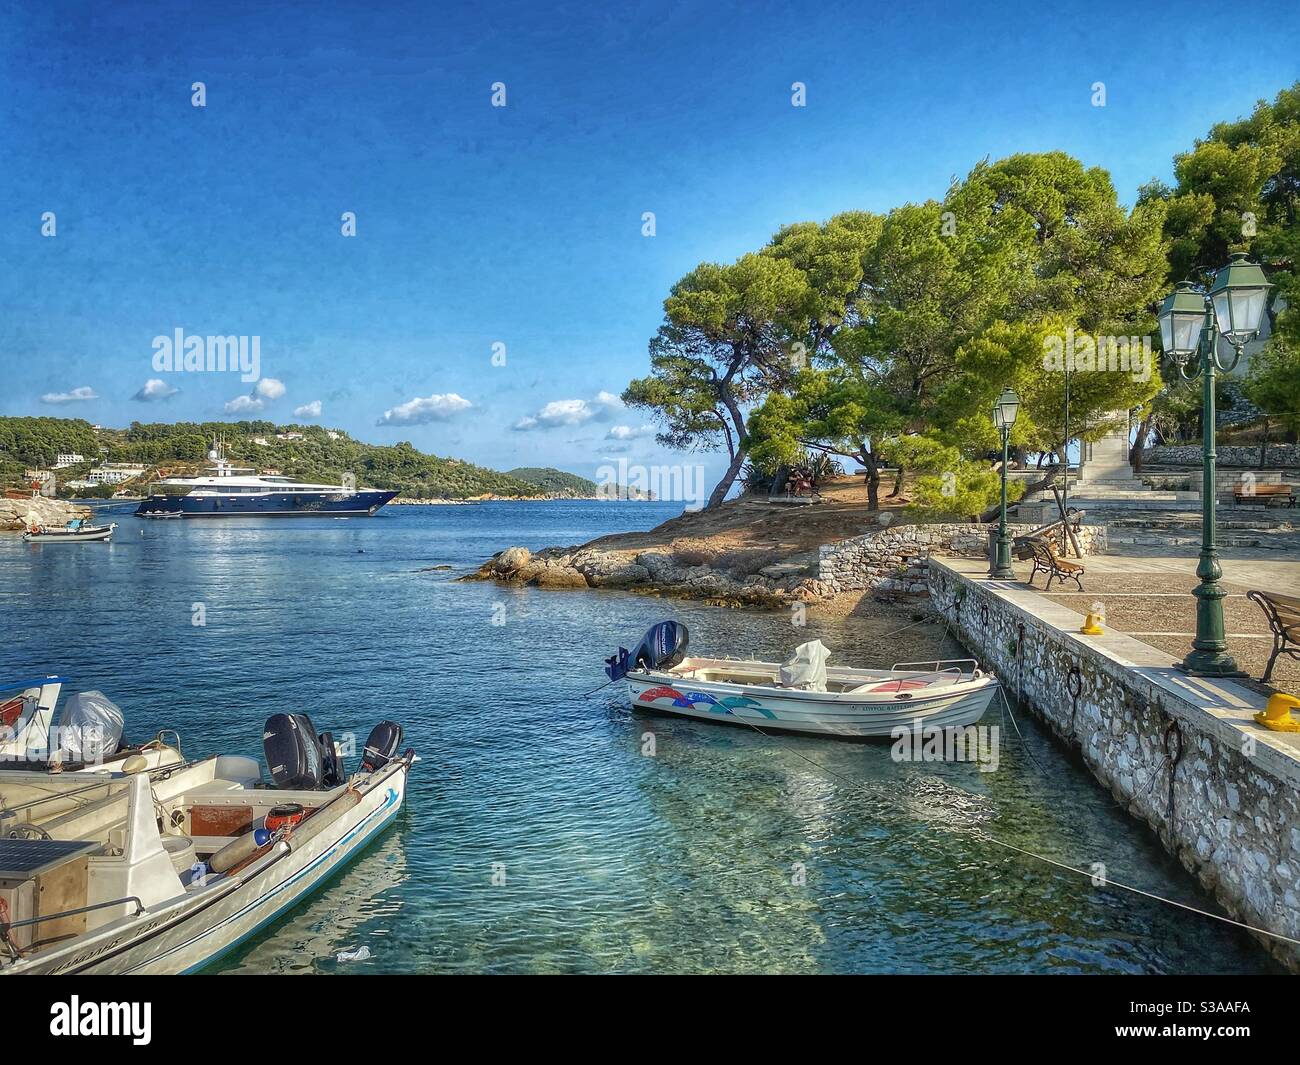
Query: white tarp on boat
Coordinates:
[807,669]
[90,728]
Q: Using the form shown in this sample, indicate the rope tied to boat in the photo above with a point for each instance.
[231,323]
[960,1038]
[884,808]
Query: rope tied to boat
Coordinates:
[984,837]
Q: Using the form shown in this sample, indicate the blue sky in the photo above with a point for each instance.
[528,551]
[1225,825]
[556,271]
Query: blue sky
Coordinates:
[518,225]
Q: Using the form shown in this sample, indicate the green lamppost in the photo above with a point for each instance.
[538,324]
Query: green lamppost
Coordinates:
[1190,324]
[1005,409]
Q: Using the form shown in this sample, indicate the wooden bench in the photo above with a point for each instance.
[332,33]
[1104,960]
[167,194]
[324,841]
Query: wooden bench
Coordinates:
[1284,619]
[1046,560]
[1268,495]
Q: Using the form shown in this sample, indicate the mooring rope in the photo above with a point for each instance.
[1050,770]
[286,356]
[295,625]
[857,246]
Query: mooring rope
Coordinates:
[1092,877]
[1106,881]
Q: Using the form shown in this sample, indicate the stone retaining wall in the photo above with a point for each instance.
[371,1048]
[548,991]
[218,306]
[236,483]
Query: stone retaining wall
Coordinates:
[895,560]
[1228,455]
[1229,808]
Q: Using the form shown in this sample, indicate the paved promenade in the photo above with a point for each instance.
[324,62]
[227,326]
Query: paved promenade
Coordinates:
[1149,598]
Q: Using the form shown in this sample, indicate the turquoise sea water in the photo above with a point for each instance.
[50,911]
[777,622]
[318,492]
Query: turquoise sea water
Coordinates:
[538,835]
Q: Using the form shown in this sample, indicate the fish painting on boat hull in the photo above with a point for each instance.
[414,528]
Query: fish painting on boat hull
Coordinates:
[812,713]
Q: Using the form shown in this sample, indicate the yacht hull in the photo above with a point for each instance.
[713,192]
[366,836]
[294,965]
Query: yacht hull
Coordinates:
[270,505]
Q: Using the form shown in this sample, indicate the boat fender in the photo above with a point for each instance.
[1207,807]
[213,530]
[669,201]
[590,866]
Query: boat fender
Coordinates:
[323,817]
[238,850]
[136,763]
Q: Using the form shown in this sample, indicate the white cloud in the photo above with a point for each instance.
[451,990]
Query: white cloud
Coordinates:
[77,395]
[155,389]
[626,432]
[266,390]
[244,405]
[308,410]
[571,412]
[424,409]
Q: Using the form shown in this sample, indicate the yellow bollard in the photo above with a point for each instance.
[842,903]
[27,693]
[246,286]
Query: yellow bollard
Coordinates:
[1277,714]
[1092,624]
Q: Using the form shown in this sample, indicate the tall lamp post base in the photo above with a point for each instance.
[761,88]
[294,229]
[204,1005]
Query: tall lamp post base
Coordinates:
[1209,655]
[1209,664]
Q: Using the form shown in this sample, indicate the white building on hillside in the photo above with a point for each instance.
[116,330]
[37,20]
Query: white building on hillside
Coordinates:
[115,472]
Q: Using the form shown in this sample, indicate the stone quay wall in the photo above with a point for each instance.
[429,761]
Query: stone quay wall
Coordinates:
[1285,455]
[896,559]
[1224,800]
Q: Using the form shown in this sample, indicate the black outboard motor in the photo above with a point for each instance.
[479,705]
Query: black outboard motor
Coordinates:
[381,746]
[293,752]
[333,771]
[661,648]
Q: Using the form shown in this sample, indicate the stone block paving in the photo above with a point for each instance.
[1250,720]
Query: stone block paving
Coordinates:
[1149,598]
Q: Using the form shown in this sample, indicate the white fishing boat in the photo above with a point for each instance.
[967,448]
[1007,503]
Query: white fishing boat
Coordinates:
[75,531]
[803,695]
[140,867]
[87,738]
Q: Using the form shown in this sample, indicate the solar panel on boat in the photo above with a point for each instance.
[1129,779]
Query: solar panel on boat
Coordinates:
[23,858]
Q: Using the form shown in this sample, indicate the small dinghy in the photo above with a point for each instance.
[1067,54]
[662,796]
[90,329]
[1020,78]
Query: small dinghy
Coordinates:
[803,695]
[163,864]
[75,531]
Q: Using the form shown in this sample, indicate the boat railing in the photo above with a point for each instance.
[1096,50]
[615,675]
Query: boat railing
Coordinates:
[54,796]
[6,926]
[941,665]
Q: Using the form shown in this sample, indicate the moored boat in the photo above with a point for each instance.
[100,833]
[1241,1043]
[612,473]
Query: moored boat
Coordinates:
[75,531]
[228,491]
[163,868]
[803,695]
[87,738]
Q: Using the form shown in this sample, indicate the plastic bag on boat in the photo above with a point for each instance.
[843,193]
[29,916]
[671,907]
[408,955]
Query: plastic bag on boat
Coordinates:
[807,669]
[90,728]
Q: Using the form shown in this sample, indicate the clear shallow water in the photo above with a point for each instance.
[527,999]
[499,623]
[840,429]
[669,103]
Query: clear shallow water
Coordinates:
[613,861]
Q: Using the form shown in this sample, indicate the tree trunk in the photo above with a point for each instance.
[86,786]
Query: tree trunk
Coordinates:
[873,479]
[721,489]
[1139,443]
[898,483]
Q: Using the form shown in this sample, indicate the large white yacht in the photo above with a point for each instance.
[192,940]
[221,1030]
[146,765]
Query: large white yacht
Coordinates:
[228,491]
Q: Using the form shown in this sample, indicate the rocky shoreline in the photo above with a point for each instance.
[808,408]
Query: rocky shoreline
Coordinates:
[658,571]
[17,514]
[889,561]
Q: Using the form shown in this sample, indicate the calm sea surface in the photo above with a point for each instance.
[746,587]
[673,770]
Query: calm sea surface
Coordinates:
[537,836]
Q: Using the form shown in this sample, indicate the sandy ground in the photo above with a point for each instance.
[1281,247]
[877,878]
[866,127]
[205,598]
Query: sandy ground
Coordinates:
[755,532]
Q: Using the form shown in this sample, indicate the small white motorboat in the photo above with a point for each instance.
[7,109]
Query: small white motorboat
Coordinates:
[75,531]
[161,866]
[87,738]
[803,695]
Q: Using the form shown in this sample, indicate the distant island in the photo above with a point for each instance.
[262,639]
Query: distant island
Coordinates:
[89,461]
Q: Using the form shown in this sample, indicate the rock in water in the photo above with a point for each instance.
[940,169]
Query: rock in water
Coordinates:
[512,559]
